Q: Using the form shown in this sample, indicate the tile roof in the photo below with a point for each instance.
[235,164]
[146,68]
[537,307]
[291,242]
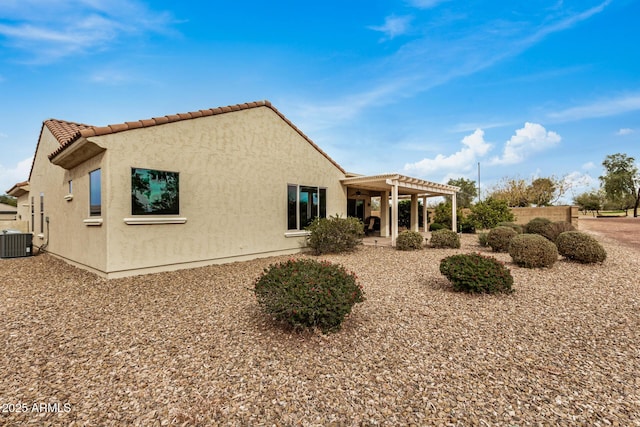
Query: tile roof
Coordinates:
[17,186]
[68,132]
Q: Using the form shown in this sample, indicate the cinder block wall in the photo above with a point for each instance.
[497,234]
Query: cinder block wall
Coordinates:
[553,213]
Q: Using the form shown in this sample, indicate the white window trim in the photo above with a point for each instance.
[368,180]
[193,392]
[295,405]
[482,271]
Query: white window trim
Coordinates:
[296,233]
[154,220]
[93,221]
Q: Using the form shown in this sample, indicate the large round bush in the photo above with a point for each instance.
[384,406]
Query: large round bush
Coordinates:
[516,227]
[553,230]
[445,239]
[409,240]
[500,237]
[533,251]
[536,225]
[581,247]
[335,234]
[306,293]
[475,273]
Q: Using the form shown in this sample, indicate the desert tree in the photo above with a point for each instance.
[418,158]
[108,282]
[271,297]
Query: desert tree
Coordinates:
[620,181]
[468,191]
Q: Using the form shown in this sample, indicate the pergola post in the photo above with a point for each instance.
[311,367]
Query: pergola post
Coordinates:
[454,211]
[415,223]
[384,214]
[394,213]
[425,220]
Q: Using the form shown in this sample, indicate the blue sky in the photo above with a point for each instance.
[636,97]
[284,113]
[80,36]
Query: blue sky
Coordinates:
[427,88]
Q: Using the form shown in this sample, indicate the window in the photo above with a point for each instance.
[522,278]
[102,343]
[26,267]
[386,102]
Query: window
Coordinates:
[305,203]
[154,192]
[95,193]
[70,187]
[42,212]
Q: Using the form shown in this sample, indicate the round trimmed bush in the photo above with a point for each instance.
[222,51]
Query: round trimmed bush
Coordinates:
[553,230]
[409,240]
[536,225]
[306,293]
[533,251]
[335,234]
[516,227]
[581,247]
[500,237]
[445,239]
[475,273]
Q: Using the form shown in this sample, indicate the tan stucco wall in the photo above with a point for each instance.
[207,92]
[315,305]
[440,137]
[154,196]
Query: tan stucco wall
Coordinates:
[67,236]
[234,170]
[22,226]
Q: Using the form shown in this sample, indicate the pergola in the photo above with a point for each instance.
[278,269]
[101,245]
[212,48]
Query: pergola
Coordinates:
[391,187]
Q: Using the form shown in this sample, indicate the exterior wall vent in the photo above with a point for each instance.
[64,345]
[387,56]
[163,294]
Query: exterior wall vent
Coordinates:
[15,244]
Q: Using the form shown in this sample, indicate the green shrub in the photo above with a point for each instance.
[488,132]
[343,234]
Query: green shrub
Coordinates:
[445,239]
[488,213]
[500,237]
[483,239]
[537,225]
[334,234]
[467,226]
[306,293]
[437,226]
[553,230]
[533,251]
[442,214]
[581,247]
[516,227]
[409,240]
[475,273]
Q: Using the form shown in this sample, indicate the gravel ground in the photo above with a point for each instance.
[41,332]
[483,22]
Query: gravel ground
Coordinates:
[192,348]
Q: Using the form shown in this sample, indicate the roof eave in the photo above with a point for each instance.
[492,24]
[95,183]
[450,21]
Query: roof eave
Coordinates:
[76,153]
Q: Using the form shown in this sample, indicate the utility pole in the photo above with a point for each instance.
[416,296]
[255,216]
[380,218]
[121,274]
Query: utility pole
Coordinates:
[479,196]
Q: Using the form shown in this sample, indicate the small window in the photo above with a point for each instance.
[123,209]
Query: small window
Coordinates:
[70,187]
[95,193]
[33,214]
[154,192]
[42,212]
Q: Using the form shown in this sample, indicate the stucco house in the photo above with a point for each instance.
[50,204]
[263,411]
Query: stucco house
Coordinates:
[7,212]
[186,190]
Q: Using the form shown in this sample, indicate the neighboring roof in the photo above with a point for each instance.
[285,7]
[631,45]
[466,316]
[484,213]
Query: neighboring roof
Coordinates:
[7,209]
[406,184]
[19,189]
[68,132]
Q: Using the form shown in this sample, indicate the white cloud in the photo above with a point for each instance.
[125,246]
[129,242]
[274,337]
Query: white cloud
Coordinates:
[66,27]
[438,57]
[588,166]
[529,139]
[602,108]
[425,4]
[474,147]
[9,176]
[625,131]
[577,183]
[393,26]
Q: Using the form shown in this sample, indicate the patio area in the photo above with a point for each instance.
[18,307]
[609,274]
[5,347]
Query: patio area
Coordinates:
[377,240]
